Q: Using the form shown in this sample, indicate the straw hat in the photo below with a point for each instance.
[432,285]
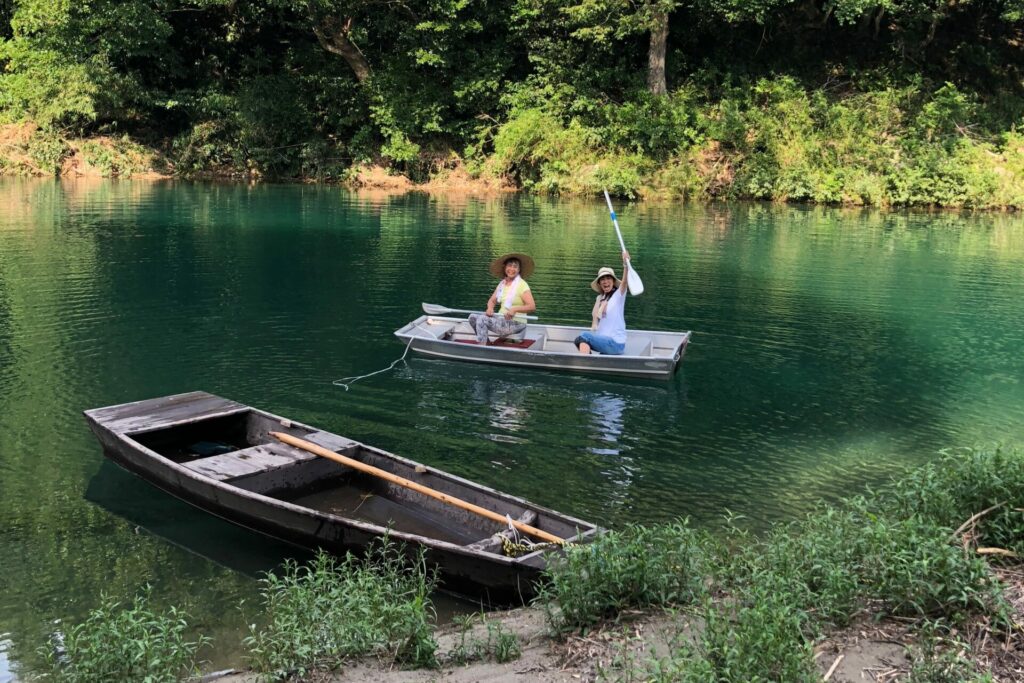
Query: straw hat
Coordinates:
[605,270]
[525,264]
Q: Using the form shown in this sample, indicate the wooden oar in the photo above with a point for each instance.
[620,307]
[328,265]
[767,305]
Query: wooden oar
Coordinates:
[425,490]
[636,285]
[434,309]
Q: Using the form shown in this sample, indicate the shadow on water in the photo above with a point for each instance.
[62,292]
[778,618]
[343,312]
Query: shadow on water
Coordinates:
[151,510]
[228,545]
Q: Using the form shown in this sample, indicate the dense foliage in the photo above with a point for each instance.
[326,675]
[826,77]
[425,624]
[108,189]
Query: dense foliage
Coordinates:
[884,102]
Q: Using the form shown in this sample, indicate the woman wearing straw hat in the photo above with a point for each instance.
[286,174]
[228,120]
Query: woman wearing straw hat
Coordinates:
[512,296]
[608,325]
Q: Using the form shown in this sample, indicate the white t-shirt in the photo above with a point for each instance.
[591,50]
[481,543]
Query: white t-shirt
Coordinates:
[613,324]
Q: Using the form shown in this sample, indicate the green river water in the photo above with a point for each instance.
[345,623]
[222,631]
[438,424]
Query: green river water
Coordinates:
[831,349]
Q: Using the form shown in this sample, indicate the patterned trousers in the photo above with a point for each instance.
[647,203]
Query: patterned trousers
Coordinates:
[495,323]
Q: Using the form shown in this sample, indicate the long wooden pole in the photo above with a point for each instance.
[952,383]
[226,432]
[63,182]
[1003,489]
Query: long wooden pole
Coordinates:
[425,490]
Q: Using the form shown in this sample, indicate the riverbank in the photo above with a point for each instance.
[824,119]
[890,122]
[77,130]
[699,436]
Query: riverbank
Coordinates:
[870,649]
[537,153]
[27,150]
[920,581]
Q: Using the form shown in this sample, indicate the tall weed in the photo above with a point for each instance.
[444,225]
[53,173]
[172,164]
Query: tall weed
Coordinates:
[333,609]
[131,644]
[636,567]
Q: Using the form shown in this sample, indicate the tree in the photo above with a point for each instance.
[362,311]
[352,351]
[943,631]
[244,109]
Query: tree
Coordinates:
[600,20]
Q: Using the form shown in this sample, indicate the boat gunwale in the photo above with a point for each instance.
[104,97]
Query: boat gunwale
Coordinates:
[593,364]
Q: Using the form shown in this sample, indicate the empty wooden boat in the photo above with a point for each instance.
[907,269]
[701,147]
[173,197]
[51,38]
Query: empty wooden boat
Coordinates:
[655,355]
[222,457]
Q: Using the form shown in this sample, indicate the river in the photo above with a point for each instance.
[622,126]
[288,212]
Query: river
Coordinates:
[832,348]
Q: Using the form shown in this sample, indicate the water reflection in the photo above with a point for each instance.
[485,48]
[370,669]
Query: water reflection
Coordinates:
[506,405]
[606,412]
[149,510]
[6,674]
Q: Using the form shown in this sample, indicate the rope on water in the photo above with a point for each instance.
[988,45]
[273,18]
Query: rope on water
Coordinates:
[344,382]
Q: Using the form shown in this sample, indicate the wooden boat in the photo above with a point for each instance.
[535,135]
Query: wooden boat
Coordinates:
[655,355]
[221,456]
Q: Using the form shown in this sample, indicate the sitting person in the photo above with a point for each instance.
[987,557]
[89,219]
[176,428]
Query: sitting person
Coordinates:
[608,326]
[512,297]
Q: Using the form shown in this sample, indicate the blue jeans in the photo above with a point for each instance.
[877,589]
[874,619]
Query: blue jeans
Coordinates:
[600,343]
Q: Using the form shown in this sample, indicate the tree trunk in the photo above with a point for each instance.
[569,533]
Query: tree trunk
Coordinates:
[333,36]
[656,55]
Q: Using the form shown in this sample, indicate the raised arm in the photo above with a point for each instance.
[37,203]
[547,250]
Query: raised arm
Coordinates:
[623,286]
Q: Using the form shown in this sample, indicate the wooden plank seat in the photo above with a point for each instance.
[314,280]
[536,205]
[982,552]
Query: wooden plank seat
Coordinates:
[160,413]
[267,457]
[333,442]
[263,458]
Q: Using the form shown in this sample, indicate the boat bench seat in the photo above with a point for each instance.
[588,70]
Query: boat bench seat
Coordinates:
[266,457]
[435,329]
[540,341]
[641,346]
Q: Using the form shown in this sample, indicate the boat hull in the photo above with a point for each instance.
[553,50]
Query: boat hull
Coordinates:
[253,500]
[649,354]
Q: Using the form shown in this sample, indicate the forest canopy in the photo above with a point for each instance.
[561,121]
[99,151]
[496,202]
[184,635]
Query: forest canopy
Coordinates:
[851,101]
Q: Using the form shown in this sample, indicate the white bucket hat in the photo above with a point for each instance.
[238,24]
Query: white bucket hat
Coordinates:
[605,270]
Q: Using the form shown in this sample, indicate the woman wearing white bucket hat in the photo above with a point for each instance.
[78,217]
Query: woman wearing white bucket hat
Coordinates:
[608,320]
[512,296]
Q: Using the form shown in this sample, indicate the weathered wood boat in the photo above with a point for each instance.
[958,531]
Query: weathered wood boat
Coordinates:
[655,355]
[222,457]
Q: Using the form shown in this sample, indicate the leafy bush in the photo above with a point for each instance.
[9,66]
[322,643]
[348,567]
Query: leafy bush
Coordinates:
[47,151]
[116,157]
[637,567]
[764,600]
[332,609]
[45,86]
[133,644]
[760,641]
[962,484]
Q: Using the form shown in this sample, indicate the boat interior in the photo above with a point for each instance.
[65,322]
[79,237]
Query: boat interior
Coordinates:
[237,449]
[545,338]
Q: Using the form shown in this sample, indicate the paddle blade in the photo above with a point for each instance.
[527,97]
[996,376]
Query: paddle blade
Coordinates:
[434,309]
[633,281]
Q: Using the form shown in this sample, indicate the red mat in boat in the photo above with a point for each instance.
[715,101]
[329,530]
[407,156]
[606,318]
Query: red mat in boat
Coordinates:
[525,344]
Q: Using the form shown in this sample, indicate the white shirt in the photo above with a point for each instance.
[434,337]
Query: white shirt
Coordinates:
[613,324]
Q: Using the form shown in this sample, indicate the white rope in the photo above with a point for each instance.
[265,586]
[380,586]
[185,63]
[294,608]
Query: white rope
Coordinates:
[516,536]
[346,381]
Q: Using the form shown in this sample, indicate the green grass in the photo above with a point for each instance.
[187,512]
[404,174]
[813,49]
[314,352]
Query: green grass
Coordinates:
[324,613]
[499,644]
[130,644]
[764,601]
[639,566]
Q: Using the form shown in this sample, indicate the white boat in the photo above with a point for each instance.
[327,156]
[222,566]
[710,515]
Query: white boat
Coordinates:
[649,354]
